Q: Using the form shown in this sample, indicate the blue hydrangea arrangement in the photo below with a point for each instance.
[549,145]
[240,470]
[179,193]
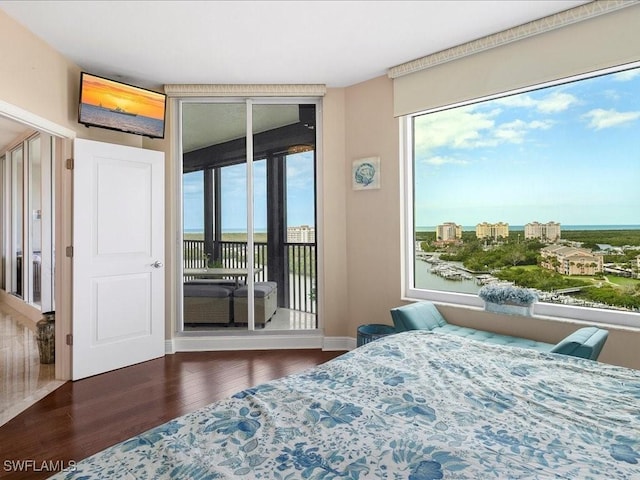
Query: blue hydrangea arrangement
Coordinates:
[507,294]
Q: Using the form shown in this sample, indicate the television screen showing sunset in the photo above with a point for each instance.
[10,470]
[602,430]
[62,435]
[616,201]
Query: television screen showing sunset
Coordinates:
[113,95]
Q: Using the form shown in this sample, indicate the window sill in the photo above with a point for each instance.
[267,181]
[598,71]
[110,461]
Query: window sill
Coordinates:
[546,311]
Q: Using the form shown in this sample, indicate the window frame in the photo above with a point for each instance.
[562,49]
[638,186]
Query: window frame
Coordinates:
[540,309]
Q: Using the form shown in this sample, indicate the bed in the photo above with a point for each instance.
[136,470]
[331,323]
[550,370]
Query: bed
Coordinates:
[415,405]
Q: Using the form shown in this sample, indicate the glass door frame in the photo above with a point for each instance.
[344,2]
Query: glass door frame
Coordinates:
[178,135]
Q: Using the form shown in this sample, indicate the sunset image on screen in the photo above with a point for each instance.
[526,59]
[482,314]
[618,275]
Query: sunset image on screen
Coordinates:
[110,104]
[104,93]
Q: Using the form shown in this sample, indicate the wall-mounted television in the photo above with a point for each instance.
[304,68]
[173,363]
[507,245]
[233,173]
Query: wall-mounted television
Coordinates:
[118,106]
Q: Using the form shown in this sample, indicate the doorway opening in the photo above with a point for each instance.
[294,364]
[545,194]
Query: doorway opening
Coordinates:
[32,270]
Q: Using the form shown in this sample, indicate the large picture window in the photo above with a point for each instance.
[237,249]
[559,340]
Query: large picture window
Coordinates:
[538,188]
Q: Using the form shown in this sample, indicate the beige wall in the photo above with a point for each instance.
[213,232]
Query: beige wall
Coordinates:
[35,77]
[332,219]
[373,216]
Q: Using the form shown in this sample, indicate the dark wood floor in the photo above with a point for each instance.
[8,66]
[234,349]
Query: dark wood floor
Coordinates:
[81,418]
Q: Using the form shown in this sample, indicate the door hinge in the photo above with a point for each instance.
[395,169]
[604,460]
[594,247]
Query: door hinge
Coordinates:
[69,251]
[69,164]
[69,339]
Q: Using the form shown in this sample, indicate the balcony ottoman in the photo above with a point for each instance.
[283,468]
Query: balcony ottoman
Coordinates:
[265,303]
[207,303]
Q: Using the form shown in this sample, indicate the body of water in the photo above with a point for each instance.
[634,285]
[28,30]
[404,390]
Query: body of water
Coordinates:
[138,124]
[426,278]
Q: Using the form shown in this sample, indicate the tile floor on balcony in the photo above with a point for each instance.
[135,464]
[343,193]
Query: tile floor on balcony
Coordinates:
[24,380]
[284,319]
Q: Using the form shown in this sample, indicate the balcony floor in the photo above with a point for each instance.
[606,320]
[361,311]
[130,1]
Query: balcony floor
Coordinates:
[284,319]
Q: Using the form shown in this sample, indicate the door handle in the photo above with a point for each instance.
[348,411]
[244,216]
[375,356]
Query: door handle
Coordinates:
[157,264]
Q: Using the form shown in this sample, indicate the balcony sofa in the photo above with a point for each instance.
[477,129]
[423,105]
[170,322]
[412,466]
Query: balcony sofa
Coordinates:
[265,303]
[215,302]
[585,342]
[207,303]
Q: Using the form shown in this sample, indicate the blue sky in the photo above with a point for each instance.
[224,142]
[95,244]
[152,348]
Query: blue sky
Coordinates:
[300,194]
[569,153]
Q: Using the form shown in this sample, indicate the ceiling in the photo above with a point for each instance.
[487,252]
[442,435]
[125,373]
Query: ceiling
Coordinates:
[336,43]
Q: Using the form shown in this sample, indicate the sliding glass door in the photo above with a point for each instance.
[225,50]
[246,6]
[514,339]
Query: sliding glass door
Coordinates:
[248,215]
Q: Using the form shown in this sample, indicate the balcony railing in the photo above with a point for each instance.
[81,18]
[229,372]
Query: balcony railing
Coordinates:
[301,288]
[299,285]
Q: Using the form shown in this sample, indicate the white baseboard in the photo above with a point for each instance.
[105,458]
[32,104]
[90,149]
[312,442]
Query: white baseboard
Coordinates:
[169,348]
[266,342]
[338,343]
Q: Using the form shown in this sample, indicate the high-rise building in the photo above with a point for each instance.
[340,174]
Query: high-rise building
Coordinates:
[301,234]
[448,231]
[544,231]
[492,230]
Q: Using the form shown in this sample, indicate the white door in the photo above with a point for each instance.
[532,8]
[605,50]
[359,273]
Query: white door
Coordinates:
[118,256]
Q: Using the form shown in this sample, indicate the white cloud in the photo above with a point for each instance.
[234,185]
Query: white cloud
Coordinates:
[600,118]
[552,103]
[556,102]
[611,95]
[626,75]
[515,131]
[524,101]
[458,128]
[541,124]
[512,132]
[466,128]
[438,160]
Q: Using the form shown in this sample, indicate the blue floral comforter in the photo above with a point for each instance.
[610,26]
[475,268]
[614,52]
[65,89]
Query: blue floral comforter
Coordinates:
[414,405]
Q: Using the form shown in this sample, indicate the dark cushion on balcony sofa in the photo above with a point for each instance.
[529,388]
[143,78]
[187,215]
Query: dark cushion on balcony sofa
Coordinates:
[207,290]
[260,289]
